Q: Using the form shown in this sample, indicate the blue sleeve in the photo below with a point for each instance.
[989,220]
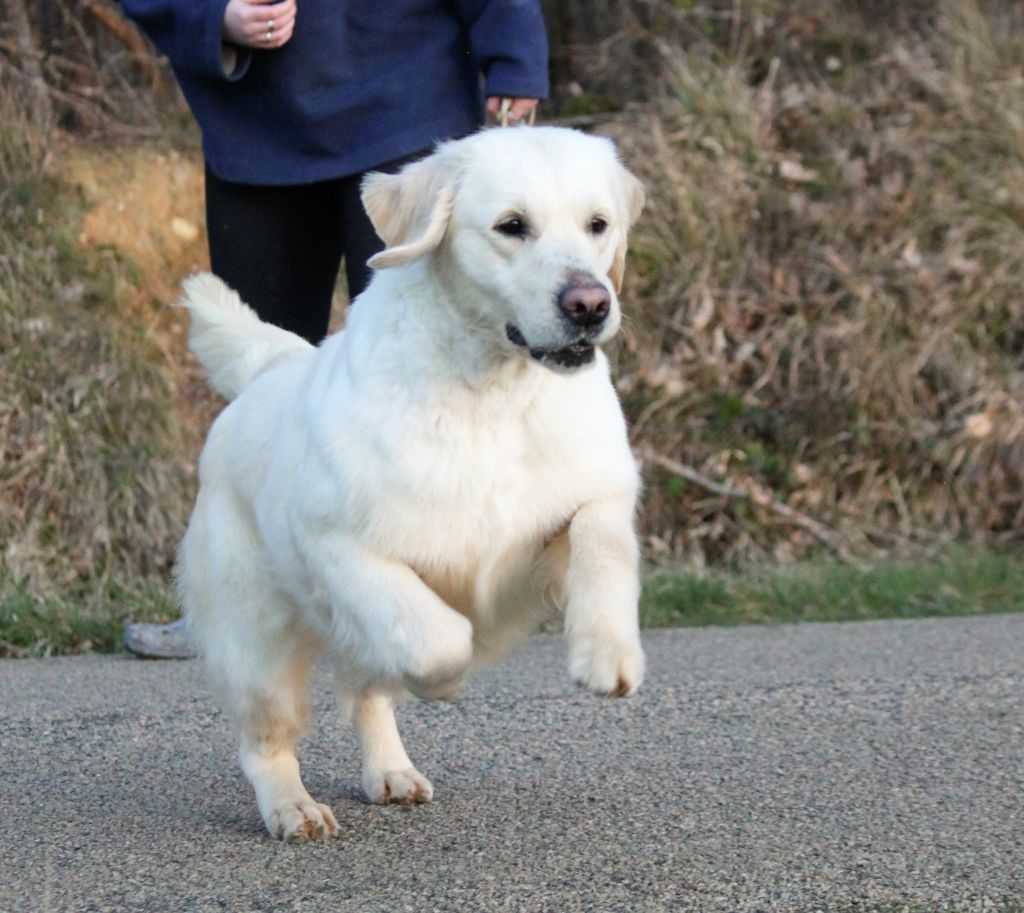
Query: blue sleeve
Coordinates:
[510,43]
[189,33]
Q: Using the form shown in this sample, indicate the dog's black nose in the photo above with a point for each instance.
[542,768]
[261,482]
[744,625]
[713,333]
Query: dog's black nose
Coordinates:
[586,304]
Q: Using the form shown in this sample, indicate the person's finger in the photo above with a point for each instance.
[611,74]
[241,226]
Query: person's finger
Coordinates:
[263,35]
[258,24]
[521,108]
[274,22]
[280,39]
[260,27]
[262,14]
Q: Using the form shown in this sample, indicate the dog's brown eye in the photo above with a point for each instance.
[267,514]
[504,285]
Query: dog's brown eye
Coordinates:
[514,227]
[598,225]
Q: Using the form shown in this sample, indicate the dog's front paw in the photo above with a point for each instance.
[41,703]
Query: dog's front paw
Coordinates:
[436,671]
[301,822]
[605,665]
[397,787]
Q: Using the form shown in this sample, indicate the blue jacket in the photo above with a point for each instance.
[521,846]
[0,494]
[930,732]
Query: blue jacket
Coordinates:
[359,84]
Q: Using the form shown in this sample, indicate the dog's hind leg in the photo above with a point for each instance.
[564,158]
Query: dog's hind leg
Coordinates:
[273,716]
[388,774]
[258,658]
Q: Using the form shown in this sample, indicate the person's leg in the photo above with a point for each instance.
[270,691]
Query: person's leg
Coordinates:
[279,248]
[361,241]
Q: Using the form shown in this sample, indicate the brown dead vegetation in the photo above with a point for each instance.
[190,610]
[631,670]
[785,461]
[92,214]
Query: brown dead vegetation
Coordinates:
[828,288]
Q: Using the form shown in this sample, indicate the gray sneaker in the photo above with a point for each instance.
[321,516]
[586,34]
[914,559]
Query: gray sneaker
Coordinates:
[160,641]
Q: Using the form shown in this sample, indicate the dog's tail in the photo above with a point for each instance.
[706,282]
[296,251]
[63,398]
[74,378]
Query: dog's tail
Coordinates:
[232,343]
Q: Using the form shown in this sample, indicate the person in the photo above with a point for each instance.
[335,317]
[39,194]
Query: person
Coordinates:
[296,101]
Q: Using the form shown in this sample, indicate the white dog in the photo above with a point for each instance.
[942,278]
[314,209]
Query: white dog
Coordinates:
[407,498]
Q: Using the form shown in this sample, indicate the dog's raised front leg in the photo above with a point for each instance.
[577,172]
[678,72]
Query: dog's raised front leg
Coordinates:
[392,627]
[388,774]
[602,592]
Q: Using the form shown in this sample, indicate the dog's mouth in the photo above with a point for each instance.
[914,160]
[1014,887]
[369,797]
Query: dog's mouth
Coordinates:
[577,355]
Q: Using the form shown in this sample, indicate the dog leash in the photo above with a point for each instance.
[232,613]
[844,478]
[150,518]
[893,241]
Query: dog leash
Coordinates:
[505,107]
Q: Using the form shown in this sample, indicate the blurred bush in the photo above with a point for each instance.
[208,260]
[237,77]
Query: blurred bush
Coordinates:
[829,280]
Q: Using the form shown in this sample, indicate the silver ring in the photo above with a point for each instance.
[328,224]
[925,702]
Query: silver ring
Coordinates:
[270,28]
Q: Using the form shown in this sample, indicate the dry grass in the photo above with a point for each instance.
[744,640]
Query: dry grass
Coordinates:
[828,287]
[95,468]
[23,152]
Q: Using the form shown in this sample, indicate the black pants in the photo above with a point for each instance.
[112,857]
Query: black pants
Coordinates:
[280,247]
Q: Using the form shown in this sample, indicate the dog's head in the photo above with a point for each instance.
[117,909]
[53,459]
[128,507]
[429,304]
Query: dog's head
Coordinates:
[527,227]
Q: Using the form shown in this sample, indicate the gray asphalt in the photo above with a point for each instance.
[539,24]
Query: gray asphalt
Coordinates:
[817,767]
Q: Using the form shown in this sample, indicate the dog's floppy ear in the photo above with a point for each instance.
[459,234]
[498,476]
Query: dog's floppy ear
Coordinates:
[632,196]
[410,210]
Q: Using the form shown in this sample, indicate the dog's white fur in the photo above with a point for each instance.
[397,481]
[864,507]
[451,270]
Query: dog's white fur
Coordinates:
[409,497]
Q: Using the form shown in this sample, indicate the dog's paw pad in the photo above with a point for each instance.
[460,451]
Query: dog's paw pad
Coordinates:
[398,787]
[303,822]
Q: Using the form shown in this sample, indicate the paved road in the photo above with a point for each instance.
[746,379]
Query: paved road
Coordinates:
[796,768]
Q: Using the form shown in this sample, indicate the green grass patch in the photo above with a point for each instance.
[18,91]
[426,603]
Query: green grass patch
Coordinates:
[35,625]
[962,582]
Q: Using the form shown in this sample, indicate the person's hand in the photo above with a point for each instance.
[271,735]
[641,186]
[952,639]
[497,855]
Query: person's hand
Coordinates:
[519,112]
[259,23]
